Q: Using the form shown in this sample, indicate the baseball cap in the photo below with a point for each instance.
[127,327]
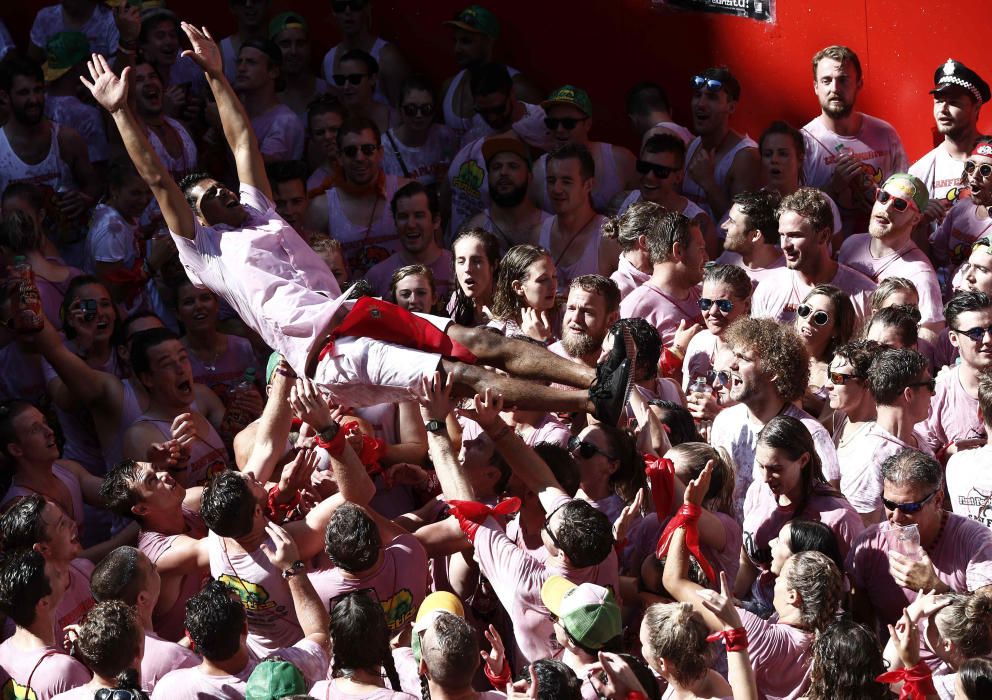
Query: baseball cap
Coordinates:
[504,144]
[589,613]
[570,95]
[954,73]
[63,51]
[477,19]
[287,20]
[433,605]
[910,187]
[274,679]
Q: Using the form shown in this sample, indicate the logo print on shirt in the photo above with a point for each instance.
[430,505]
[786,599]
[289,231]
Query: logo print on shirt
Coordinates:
[469,178]
[12,690]
[253,596]
[398,609]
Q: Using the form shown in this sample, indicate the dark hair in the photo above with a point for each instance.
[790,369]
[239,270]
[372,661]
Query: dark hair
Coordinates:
[843,314]
[16,65]
[730,84]
[363,57]
[601,285]
[640,219]
[646,97]
[352,540]
[976,678]
[19,234]
[561,463]
[629,476]
[761,210]
[270,48]
[679,421]
[985,396]
[814,536]
[673,228]
[648,344]
[733,276]
[25,190]
[152,17]
[356,125]
[71,293]
[214,620]
[782,128]
[838,53]
[286,171]
[859,354]
[963,302]
[23,583]
[812,205]
[402,273]
[902,319]
[912,467]
[110,638]
[360,636]
[118,576]
[117,490]
[514,267]
[892,370]
[21,524]
[417,82]
[412,189]
[227,505]
[489,79]
[791,437]
[846,661]
[555,680]
[325,104]
[143,342]
[665,143]
[587,166]
[9,412]
[584,534]
[464,312]
[188,182]
[779,349]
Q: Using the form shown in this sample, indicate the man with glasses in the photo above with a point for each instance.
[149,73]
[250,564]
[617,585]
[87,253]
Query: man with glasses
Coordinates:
[955,423]
[954,553]
[278,130]
[752,234]
[569,120]
[848,153]
[969,473]
[805,226]
[354,20]
[418,148]
[900,383]
[719,162]
[354,83]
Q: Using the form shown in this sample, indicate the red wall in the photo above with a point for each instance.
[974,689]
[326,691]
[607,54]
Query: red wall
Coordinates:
[608,45]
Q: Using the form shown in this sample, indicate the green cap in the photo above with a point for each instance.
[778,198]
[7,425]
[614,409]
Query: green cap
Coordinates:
[287,20]
[570,95]
[64,50]
[589,613]
[908,187]
[476,19]
[274,679]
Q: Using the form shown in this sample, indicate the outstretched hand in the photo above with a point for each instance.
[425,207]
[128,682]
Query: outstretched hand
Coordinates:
[205,52]
[109,90]
[695,490]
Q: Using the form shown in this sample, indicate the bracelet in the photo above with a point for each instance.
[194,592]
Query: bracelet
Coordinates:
[677,351]
[278,512]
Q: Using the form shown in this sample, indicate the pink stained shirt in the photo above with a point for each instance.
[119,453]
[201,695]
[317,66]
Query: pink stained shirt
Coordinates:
[699,357]
[78,598]
[628,277]
[757,274]
[642,542]
[909,262]
[860,468]
[517,577]
[782,291]
[661,309]
[162,656]
[969,484]
[329,690]
[962,559]
[268,274]
[953,413]
[71,483]
[442,268]
[400,582]
[780,656]
[54,671]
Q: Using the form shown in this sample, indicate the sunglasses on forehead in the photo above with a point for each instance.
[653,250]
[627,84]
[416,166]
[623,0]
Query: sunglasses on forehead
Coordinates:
[914,507]
[984,169]
[354,78]
[698,82]
[898,203]
[819,317]
[368,149]
[660,171]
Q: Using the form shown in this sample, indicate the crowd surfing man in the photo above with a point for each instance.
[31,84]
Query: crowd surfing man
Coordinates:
[417,504]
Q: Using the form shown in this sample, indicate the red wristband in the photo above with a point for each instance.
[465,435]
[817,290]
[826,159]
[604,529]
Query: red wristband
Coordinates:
[734,640]
[335,446]
[499,681]
[277,511]
[636,695]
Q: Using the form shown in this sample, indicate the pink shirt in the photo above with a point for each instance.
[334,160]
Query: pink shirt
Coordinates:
[329,690]
[757,274]
[628,277]
[381,274]
[162,656]
[909,262]
[77,599]
[953,413]
[969,484]
[861,467]
[400,582]
[71,483]
[662,310]
[783,290]
[227,370]
[268,274]
[54,672]
[699,357]
[780,656]
[963,225]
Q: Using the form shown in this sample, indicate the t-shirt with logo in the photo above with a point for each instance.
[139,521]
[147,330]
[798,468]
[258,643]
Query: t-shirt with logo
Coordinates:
[49,670]
[941,174]
[969,484]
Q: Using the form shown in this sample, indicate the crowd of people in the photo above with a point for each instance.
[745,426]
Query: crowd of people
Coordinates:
[342,384]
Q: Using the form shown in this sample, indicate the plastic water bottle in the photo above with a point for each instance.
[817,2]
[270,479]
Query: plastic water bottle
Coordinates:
[702,389]
[27,311]
[236,417]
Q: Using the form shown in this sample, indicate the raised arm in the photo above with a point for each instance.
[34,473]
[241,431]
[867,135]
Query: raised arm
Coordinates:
[273,427]
[436,406]
[111,92]
[309,610]
[233,117]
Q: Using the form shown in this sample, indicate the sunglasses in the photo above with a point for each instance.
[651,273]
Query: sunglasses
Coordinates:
[714,376]
[820,318]
[699,82]
[367,149]
[344,5]
[984,169]
[725,305]
[976,334]
[493,111]
[914,507]
[568,123]
[547,522]
[412,110]
[353,78]
[660,171]
[586,450]
[930,384]
[898,203]
[839,379]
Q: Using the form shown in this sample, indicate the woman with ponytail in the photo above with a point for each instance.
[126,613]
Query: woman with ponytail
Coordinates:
[675,645]
[630,230]
[360,644]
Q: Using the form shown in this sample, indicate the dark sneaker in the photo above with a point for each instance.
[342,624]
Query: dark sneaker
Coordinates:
[623,348]
[610,391]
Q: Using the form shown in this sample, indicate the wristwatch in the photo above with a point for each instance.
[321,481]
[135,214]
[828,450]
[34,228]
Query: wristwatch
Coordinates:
[296,568]
[329,433]
[435,426]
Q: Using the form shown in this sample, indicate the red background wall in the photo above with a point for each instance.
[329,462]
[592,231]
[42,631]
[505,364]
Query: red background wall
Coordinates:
[607,45]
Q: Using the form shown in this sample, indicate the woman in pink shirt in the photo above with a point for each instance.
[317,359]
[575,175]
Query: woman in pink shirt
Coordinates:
[477,260]
[824,321]
[611,470]
[524,298]
[674,643]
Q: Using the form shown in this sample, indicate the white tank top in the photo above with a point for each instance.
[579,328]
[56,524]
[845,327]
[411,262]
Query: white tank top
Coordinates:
[364,245]
[608,181]
[457,122]
[692,190]
[587,264]
[52,171]
[330,59]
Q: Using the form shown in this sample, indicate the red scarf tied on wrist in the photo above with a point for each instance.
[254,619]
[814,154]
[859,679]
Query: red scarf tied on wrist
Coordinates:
[471,514]
[661,474]
[917,682]
[687,517]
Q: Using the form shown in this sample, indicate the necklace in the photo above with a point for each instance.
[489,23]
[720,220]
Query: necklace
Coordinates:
[574,237]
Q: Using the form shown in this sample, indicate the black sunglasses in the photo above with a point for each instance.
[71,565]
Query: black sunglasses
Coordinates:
[930,384]
[898,203]
[353,78]
[984,169]
[568,123]
[367,149]
[412,110]
[353,5]
[586,450]
[547,524]
[976,334]
[913,507]
[699,82]
[725,305]
[660,171]
[820,318]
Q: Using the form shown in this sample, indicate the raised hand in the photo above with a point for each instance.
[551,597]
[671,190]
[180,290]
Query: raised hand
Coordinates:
[486,409]
[109,90]
[695,490]
[205,51]
[721,604]
[435,402]
[285,553]
[497,657]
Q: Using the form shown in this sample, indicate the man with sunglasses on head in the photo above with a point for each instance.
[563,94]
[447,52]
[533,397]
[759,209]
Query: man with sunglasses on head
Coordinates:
[887,250]
[278,130]
[569,120]
[805,225]
[719,162]
[887,572]
[955,423]
[418,148]
[848,153]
